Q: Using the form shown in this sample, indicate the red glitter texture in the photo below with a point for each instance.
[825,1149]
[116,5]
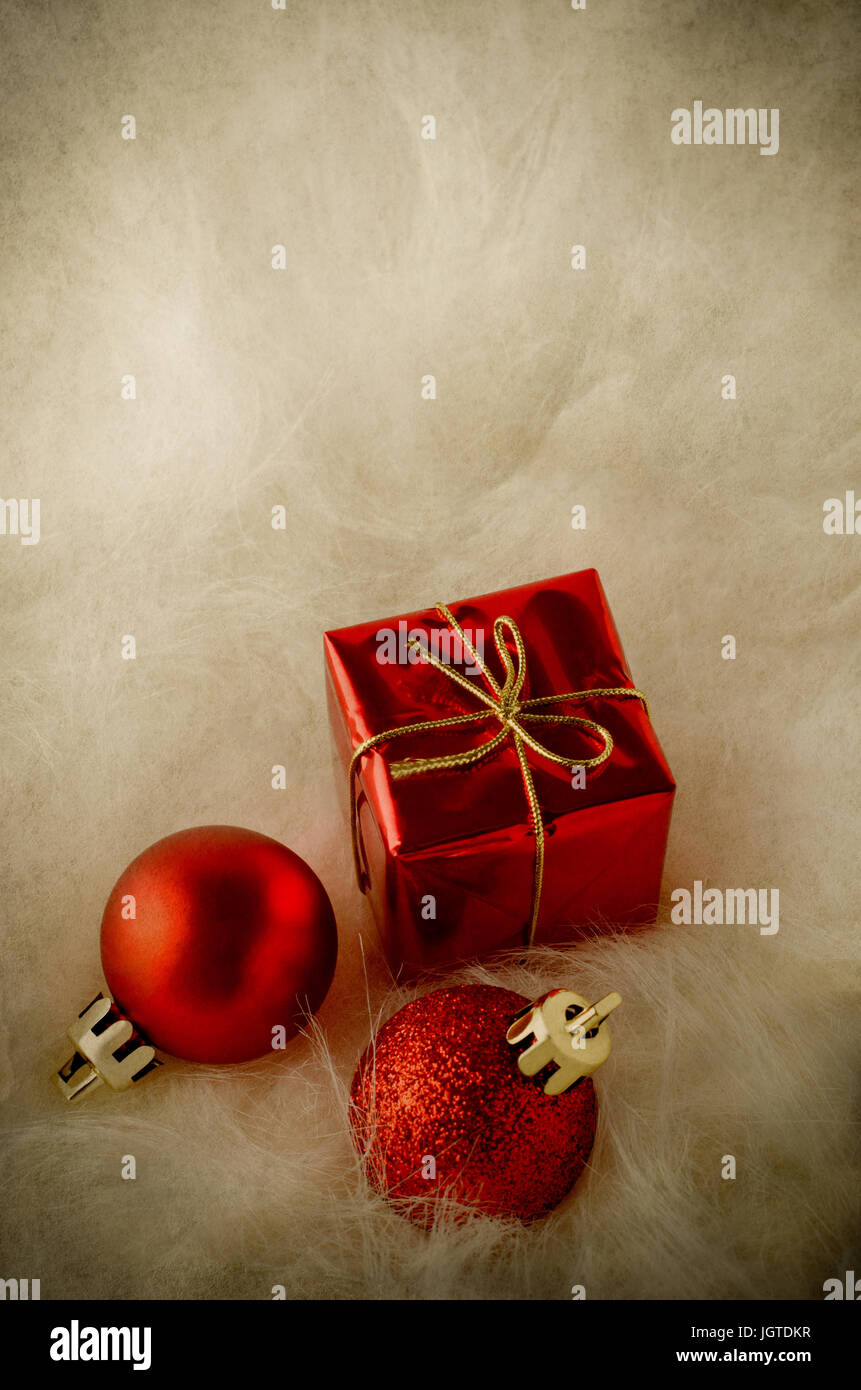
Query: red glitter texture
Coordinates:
[440,1079]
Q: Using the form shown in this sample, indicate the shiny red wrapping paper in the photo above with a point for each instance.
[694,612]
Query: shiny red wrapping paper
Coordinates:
[450,854]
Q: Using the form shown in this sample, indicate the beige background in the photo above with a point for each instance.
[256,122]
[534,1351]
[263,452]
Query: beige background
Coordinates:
[301,387]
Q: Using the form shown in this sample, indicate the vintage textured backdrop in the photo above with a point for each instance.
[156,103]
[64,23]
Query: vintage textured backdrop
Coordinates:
[257,387]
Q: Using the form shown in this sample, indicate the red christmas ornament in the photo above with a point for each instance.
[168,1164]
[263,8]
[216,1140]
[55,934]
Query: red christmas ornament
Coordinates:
[211,939]
[475,1095]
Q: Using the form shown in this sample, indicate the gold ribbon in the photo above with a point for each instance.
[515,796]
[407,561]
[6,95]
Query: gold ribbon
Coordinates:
[505,705]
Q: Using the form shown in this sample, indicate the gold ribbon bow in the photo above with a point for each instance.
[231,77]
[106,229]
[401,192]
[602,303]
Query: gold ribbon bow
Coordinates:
[505,705]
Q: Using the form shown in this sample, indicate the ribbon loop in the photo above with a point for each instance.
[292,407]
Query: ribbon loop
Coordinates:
[504,704]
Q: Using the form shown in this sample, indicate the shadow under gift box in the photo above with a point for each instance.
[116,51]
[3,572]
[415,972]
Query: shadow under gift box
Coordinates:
[450,853]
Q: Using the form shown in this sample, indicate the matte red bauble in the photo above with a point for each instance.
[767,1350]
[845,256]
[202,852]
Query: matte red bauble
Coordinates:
[215,942]
[474,1095]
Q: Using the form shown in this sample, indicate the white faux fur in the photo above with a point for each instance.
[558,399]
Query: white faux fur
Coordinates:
[301,387]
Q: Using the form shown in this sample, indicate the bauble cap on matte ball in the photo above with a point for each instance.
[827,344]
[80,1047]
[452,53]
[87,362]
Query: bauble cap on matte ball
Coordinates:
[216,942]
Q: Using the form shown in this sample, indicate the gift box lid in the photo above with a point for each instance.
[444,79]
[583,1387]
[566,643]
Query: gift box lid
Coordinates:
[379,683]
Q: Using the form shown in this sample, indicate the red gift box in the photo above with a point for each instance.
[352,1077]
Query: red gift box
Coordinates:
[448,838]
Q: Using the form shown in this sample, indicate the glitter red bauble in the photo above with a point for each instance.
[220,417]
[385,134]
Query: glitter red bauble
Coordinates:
[231,936]
[439,1081]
